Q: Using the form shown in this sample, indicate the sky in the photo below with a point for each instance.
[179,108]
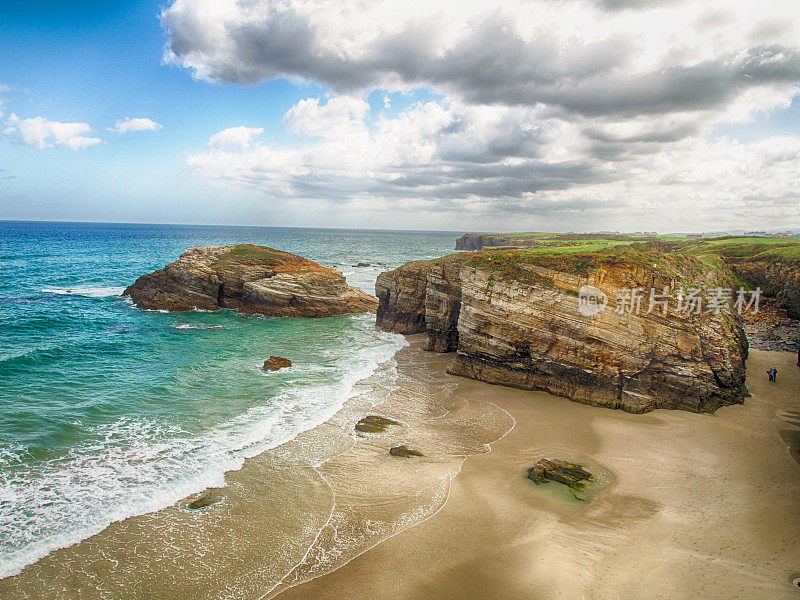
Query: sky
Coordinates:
[535,115]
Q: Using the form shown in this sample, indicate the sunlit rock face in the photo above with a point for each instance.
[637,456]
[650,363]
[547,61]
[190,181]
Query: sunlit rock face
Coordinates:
[520,325]
[252,280]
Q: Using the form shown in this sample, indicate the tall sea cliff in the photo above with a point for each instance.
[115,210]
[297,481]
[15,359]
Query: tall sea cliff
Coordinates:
[514,319]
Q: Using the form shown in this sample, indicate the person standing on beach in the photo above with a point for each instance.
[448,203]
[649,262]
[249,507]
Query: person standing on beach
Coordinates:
[774,374]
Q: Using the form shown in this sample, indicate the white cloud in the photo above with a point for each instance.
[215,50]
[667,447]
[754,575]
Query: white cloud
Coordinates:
[238,137]
[429,150]
[581,109]
[127,125]
[580,56]
[340,117]
[515,163]
[38,132]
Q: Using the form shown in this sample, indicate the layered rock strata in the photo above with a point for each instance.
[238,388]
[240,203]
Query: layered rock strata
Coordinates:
[519,325]
[252,280]
[423,296]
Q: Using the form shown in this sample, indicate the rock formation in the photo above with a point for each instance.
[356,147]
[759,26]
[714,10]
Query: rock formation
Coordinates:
[769,263]
[404,452]
[250,279]
[423,296]
[781,281]
[404,308]
[479,241]
[275,363]
[374,424]
[571,475]
[207,498]
[514,319]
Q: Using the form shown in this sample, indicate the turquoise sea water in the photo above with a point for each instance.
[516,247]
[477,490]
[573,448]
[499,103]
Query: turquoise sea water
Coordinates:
[107,411]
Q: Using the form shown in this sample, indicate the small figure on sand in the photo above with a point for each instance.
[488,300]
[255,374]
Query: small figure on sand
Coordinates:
[773,374]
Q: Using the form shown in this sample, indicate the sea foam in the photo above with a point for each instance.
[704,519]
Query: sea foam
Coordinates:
[86,291]
[135,466]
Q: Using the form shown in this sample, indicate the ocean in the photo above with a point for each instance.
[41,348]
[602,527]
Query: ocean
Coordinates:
[107,411]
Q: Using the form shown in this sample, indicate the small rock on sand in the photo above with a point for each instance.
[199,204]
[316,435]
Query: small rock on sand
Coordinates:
[374,424]
[404,451]
[207,498]
[572,475]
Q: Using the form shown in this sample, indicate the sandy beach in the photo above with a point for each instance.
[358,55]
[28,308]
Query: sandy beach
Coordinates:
[689,505]
[292,513]
[702,506]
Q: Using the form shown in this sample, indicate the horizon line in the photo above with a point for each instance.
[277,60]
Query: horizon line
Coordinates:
[462,231]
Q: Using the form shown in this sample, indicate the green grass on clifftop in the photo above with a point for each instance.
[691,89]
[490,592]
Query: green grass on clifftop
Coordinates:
[666,258]
[251,255]
[749,248]
[670,255]
[565,240]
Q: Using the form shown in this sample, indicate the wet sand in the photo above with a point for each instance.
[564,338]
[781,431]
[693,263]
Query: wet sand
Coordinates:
[702,506]
[693,506]
[292,513]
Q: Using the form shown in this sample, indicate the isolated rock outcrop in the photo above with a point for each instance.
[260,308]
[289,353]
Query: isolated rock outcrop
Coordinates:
[275,363]
[514,320]
[207,498]
[252,280]
[423,296]
[403,308]
[553,469]
[404,452]
[374,424]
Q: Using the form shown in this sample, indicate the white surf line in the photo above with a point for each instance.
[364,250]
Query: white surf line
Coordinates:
[316,469]
[376,544]
[288,587]
[316,538]
[513,423]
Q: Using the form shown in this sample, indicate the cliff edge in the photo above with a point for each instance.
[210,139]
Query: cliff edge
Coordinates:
[251,279]
[513,318]
[479,241]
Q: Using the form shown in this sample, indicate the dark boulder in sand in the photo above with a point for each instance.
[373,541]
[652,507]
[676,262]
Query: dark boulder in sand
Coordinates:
[207,498]
[404,452]
[274,363]
[374,424]
[251,279]
[572,475]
